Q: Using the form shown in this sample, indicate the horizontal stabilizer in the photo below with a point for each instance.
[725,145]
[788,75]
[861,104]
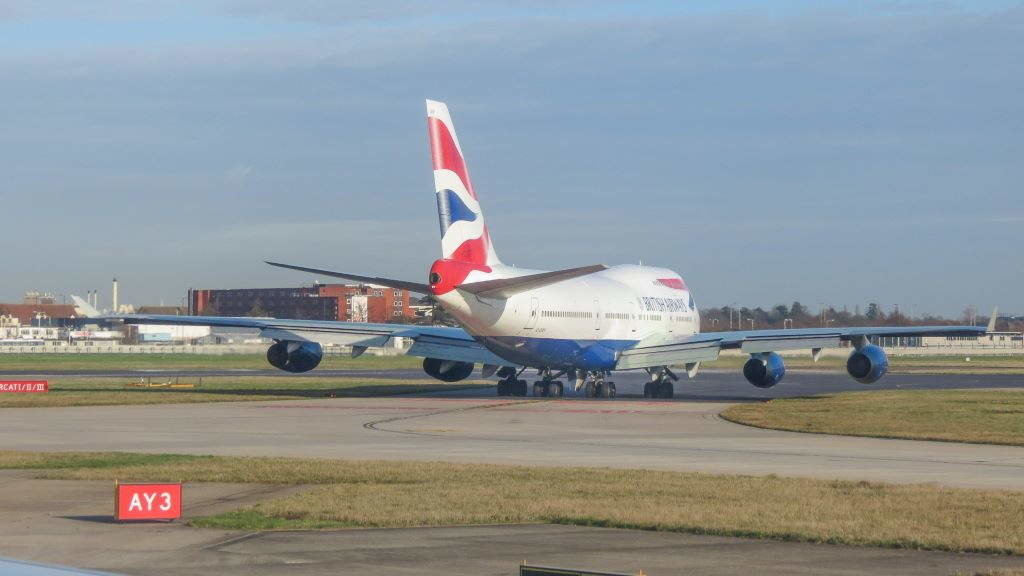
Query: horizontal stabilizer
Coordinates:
[505,287]
[390,283]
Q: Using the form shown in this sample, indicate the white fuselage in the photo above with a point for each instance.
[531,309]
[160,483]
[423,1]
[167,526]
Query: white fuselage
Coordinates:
[578,323]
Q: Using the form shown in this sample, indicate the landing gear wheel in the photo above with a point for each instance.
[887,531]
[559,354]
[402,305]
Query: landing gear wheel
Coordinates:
[556,389]
[504,388]
[605,390]
[590,389]
[650,389]
[520,388]
[666,389]
[540,389]
[610,387]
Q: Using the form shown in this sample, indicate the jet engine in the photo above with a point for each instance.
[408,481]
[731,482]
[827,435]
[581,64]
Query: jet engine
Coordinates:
[447,370]
[295,356]
[867,364]
[764,370]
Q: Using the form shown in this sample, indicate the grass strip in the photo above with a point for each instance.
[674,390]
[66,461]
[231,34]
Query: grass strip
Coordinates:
[13,460]
[1008,364]
[395,494]
[983,416]
[183,361]
[92,391]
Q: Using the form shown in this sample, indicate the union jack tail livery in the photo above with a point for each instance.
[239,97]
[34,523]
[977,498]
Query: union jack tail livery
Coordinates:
[464,236]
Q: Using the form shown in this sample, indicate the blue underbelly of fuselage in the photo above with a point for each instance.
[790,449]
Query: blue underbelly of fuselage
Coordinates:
[557,352]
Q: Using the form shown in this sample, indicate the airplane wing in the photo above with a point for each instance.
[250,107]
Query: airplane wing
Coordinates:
[667,350]
[506,287]
[389,282]
[442,342]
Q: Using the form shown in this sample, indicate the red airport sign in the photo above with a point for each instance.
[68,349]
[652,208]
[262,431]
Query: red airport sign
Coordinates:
[21,386]
[147,502]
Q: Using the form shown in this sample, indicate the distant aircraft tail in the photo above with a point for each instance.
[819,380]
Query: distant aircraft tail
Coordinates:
[84,308]
[464,236]
[992,320]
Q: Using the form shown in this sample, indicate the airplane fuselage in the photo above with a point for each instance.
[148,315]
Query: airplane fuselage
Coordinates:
[581,323]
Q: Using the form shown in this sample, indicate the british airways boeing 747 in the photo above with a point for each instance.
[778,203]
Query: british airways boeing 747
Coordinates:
[580,324]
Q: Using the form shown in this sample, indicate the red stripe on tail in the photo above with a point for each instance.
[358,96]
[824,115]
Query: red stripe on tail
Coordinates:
[445,155]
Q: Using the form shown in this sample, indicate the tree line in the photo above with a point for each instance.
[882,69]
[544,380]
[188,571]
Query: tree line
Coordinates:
[797,315]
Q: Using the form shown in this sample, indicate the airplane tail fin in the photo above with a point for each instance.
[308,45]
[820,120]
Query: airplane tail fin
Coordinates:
[84,308]
[464,236]
[992,320]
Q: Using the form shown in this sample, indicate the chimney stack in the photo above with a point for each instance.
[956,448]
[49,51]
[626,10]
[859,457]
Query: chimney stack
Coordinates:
[114,297]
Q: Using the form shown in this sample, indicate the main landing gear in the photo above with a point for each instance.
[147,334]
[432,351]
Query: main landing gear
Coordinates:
[660,385]
[593,385]
[549,385]
[509,383]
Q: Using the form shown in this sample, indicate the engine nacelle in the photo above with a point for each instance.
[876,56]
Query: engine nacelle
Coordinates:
[867,364]
[764,370]
[294,356]
[447,370]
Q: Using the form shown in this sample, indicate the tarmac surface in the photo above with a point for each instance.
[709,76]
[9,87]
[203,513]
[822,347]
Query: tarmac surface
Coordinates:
[684,434]
[714,384]
[69,523]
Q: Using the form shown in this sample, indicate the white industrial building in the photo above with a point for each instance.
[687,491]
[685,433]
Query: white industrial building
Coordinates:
[989,340]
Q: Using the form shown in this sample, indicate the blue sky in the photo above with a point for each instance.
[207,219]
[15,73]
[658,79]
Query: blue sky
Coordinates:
[834,152]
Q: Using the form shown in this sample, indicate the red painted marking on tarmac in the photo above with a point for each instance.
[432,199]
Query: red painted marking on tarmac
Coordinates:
[339,407]
[424,406]
[590,411]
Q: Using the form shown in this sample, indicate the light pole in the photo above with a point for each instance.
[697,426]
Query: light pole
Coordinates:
[751,323]
[787,323]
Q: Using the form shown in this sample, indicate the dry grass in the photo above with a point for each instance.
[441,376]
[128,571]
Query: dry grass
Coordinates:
[374,493]
[94,391]
[100,362]
[15,460]
[988,416]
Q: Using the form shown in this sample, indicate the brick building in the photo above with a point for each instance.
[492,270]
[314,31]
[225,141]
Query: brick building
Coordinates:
[383,304]
[359,303]
[40,314]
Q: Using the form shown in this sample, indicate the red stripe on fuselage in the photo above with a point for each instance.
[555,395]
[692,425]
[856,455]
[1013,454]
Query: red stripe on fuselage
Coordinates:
[445,155]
